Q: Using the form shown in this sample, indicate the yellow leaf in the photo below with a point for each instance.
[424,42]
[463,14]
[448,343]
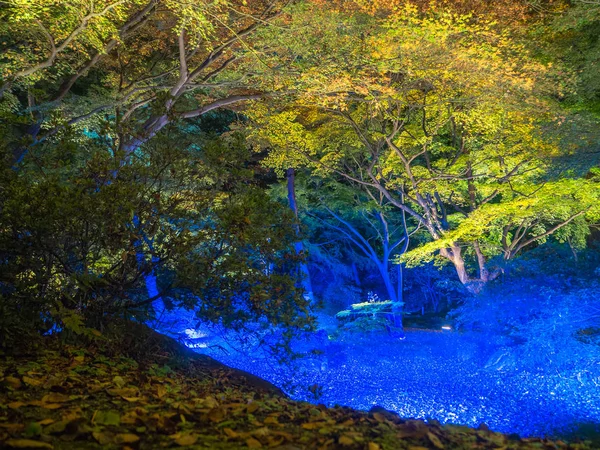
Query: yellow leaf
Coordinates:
[187,439]
[125,392]
[253,443]
[46,422]
[51,405]
[55,397]
[161,391]
[378,417]
[31,381]
[216,414]
[15,405]
[12,382]
[230,433]
[126,438]
[119,381]
[210,402]
[312,425]
[345,440]
[102,438]
[27,443]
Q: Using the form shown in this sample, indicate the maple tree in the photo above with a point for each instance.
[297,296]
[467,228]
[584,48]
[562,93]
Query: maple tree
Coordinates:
[139,64]
[442,116]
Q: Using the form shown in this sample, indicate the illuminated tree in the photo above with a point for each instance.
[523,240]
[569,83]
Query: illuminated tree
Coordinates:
[440,115]
[140,65]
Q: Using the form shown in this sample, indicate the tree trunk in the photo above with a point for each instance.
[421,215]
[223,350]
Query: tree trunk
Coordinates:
[291,188]
[454,255]
[400,283]
[150,279]
[395,328]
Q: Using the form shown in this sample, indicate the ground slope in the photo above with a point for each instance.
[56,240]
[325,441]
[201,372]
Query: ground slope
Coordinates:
[75,397]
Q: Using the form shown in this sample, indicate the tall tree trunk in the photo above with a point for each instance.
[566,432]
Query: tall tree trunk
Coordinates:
[395,328]
[400,283]
[385,276]
[291,189]
[150,279]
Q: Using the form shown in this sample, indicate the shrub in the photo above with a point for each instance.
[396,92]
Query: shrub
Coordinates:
[367,316]
[80,232]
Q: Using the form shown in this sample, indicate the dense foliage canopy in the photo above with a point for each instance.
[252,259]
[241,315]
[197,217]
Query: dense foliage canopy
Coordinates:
[461,133]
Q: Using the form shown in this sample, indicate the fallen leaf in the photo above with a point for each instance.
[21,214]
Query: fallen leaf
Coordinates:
[210,402]
[107,418]
[161,391]
[275,442]
[123,392]
[230,433]
[33,429]
[312,425]
[129,418]
[253,443]
[435,440]
[126,438]
[118,381]
[187,439]
[46,422]
[31,381]
[216,414]
[55,397]
[379,417]
[13,382]
[374,446]
[283,434]
[51,405]
[345,440]
[27,443]
[271,421]
[102,438]
[56,427]
[252,407]
[15,405]
[263,431]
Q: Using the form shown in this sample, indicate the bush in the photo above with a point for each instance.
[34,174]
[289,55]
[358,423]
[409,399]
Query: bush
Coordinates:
[366,316]
[81,232]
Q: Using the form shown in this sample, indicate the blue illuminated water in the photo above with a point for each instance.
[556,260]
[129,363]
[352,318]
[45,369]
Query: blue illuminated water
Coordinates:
[441,376]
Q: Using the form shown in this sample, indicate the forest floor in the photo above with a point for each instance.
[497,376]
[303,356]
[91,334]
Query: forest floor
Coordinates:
[86,397]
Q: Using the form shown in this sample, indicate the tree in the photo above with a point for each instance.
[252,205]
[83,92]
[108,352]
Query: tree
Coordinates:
[140,65]
[372,229]
[440,115]
[71,232]
[570,40]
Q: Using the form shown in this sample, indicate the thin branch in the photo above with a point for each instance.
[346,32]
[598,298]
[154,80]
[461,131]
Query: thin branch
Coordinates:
[547,233]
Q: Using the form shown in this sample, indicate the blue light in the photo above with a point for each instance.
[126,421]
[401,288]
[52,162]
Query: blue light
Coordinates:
[430,375]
